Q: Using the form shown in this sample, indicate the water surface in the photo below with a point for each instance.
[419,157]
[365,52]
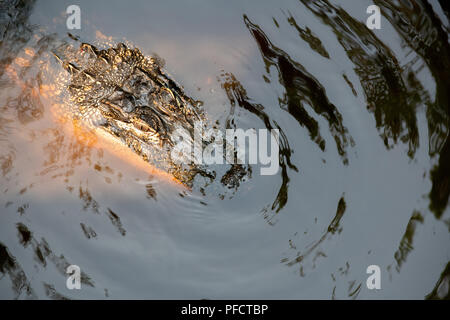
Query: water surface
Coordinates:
[364,156]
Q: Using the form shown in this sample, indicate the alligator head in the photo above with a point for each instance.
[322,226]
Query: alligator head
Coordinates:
[127,95]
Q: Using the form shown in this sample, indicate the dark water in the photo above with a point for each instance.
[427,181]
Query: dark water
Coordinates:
[364,156]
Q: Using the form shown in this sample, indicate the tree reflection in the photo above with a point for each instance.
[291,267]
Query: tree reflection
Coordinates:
[301,89]
[391,90]
[441,290]
[9,266]
[237,95]
[423,32]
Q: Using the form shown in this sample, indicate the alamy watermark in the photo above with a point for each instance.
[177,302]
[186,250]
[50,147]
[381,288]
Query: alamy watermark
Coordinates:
[237,146]
[374,20]
[74,19]
[374,280]
[74,280]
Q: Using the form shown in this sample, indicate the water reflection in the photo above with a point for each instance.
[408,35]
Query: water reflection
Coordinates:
[393,92]
[19,282]
[424,33]
[387,84]
[43,254]
[307,35]
[441,290]
[406,243]
[236,94]
[384,81]
[301,89]
[313,249]
[15,31]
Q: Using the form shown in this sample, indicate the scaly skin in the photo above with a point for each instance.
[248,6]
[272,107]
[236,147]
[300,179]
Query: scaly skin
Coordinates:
[130,99]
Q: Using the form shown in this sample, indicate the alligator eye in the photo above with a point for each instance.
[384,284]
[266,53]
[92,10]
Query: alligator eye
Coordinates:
[117,59]
[141,126]
[128,53]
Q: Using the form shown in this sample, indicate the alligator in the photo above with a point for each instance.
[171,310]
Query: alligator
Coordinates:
[128,98]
